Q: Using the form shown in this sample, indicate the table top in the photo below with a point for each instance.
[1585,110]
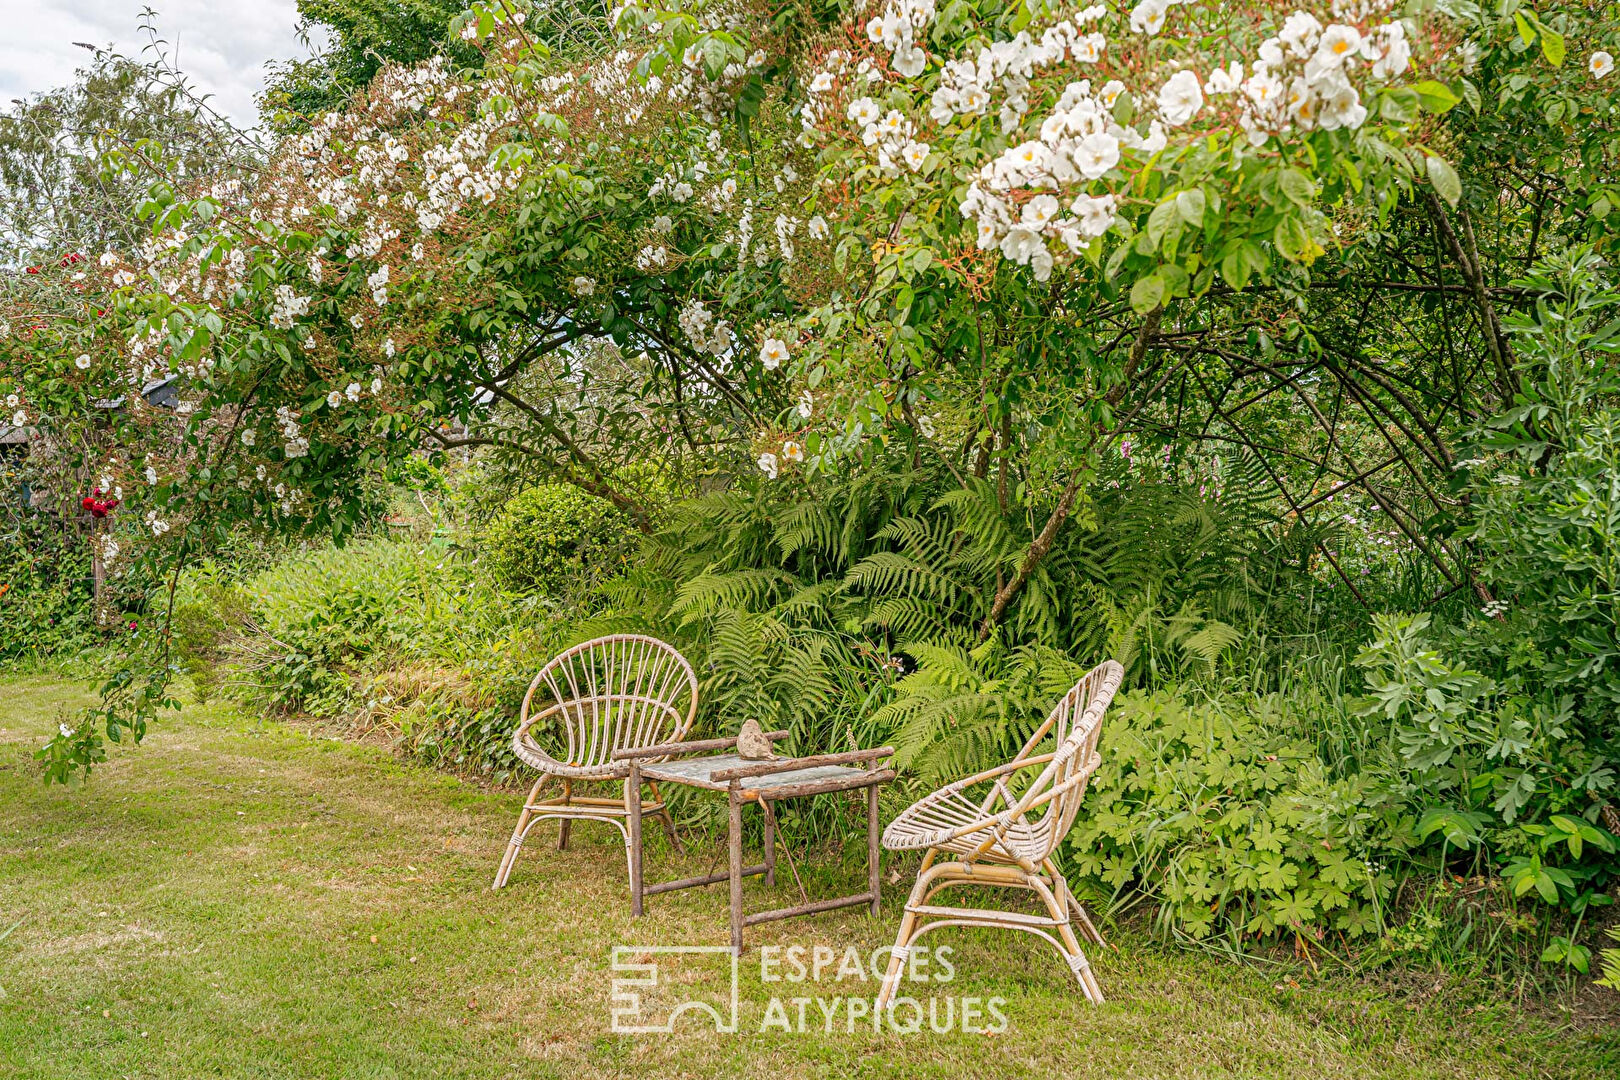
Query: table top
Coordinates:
[698,772]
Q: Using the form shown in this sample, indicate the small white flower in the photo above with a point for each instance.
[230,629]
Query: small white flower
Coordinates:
[1039,210]
[470,31]
[1180,98]
[388,347]
[334,399]
[352,391]
[909,61]
[249,437]
[792,451]
[584,286]
[915,154]
[66,732]
[108,258]
[1600,64]
[1096,213]
[1337,44]
[807,405]
[1148,16]
[151,475]
[1096,154]
[356,320]
[773,353]
[1224,80]
[818,227]
[19,418]
[81,361]
[767,465]
[376,386]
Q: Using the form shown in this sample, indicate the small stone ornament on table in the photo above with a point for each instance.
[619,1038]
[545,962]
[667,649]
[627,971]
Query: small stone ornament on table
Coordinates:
[752,745]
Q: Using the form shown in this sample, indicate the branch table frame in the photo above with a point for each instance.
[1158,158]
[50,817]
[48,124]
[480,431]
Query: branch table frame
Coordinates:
[763,782]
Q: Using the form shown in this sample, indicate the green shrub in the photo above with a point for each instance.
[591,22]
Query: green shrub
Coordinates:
[46,597]
[550,539]
[1221,808]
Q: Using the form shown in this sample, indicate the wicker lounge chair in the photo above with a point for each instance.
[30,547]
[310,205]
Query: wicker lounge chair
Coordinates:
[620,692]
[998,835]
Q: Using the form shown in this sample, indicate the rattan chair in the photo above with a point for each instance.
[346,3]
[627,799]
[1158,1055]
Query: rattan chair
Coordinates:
[1004,837]
[619,692]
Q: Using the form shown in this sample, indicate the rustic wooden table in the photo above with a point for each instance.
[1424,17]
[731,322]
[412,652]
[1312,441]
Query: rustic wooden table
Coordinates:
[763,782]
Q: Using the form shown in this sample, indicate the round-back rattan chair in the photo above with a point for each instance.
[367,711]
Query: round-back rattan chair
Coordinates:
[1002,836]
[621,692]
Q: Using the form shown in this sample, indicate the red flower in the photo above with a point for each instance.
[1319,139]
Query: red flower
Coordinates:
[33,269]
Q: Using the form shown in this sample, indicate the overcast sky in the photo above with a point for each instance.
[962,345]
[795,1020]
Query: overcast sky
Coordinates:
[223,44]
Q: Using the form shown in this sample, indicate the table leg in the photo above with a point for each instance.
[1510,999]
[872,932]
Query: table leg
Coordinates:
[632,794]
[770,841]
[873,879]
[735,841]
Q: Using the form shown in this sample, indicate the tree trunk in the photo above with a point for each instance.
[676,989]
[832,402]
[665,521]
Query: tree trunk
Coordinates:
[1042,544]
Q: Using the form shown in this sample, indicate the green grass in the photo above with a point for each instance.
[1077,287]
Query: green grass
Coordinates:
[243,899]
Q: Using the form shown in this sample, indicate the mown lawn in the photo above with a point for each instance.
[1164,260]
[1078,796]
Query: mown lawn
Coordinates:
[243,899]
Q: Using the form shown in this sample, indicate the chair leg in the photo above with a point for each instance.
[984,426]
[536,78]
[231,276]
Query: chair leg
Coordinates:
[562,832]
[509,858]
[1072,954]
[902,939]
[1088,929]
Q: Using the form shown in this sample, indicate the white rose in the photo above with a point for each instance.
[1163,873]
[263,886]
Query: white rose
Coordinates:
[773,353]
[1096,154]
[1180,98]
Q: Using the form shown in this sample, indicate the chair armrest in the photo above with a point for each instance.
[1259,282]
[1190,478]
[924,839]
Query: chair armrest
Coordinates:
[999,770]
[679,749]
[766,768]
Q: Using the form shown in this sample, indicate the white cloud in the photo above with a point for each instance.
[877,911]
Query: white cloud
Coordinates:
[222,45]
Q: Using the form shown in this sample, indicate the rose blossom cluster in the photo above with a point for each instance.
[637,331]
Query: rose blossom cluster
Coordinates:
[1054,190]
[897,30]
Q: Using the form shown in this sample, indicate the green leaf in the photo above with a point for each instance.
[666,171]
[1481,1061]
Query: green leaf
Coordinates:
[1190,205]
[1436,97]
[1235,269]
[1444,178]
[1552,45]
[1470,94]
[1546,887]
[1291,238]
[1176,279]
[1526,34]
[1297,186]
[1161,219]
[1147,294]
